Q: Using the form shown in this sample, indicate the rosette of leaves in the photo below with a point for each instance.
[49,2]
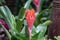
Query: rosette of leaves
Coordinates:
[18,26]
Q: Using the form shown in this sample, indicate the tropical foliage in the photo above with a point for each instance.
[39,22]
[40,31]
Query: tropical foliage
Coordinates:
[30,24]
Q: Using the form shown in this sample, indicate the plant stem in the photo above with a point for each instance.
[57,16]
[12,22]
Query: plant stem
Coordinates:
[30,33]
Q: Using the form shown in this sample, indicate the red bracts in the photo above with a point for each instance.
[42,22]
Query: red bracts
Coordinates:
[30,17]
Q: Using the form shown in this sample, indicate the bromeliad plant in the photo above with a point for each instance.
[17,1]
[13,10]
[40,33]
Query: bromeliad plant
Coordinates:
[26,26]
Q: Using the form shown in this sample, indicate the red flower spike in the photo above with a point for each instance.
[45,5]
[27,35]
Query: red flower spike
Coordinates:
[36,2]
[30,16]
[4,24]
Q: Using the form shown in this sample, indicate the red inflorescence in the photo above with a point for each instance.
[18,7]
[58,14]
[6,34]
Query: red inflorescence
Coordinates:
[36,2]
[30,16]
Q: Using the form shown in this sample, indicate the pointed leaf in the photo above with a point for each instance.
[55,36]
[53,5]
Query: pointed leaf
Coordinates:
[19,25]
[27,4]
[21,13]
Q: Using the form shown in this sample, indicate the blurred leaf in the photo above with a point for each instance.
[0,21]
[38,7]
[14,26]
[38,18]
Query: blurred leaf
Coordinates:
[25,23]
[27,4]
[35,36]
[19,25]
[1,16]
[13,22]
[58,37]
[30,7]
[7,33]
[3,13]
[18,35]
[38,17]
[2,1]
[46,23]
[36,22]
[44,18]
[21,13]
[40,27]
[8,17]
[11,17]
[41,38]
[13,38]
[33,30]
[23,31]
[41,4]
[40,31]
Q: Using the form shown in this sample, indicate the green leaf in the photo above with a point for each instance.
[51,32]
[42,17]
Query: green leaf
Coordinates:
[4,14]
[33,30]
[41,38]
[18,35]
[36,22]
[7,33]
[40,31]
[38,18]
[13,22]
[13,38]
[35,36]
[30,7]
[21,13]
[58,37]
[27,4]
[46,23]
[1,16]
[25,23]
[44,18]
[25,32]
[40,27]
[19,25]
[7,15]
[11,17]
[2,1]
